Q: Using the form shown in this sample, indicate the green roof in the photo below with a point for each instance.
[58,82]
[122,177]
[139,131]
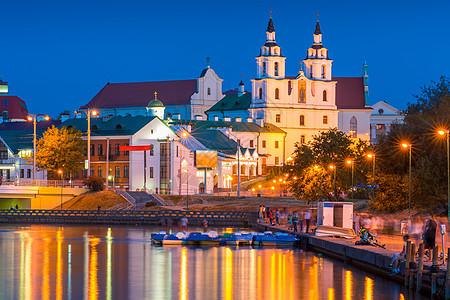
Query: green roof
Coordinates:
[19,139]
[233,102]
[155,103]
[113,127]
[235,126]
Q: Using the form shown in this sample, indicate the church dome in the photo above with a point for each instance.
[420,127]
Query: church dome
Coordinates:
[155,102]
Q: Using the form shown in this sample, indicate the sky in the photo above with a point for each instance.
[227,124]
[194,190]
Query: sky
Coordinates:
[56,55]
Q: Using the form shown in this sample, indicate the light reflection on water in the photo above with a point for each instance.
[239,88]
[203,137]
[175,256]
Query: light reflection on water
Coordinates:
[75,262]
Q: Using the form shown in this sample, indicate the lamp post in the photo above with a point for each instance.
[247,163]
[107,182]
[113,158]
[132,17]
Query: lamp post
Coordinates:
[405,145]
[62,183]
[447,132]
[187,189]
[351,162]
[373,182]
[33,118]
[333,167]
[88,114]
[239,167]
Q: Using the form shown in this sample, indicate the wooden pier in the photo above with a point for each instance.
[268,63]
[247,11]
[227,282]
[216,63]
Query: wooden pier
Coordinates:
[114,217]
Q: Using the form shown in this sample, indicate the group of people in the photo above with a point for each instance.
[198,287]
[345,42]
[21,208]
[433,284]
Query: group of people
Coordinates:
[14,207]
[296,220]
[272,214]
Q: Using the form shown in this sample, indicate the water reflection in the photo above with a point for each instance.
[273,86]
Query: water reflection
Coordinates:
[47,262]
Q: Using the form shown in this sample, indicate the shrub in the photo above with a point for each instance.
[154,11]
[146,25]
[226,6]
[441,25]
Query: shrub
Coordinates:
[150,203]
[95,183]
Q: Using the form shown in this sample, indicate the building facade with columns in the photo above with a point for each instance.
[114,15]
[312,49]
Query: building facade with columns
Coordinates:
[383,117]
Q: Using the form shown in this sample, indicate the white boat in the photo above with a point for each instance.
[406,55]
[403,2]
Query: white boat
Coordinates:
[332,231]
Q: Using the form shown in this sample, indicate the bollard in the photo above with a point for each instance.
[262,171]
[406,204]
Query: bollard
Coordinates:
[412,269]
[433,285]
[408,260]
[420,268]
[434,264]
[447,277]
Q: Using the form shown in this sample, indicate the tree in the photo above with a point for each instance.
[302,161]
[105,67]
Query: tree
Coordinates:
[95,183]
[311,164]
[60,149]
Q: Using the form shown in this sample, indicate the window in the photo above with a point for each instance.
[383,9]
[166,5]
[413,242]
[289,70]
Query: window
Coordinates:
[117,149]
[152,151]
[209,91]
[302,139]
[92,171]
[84,174]
[8,174]
[323,71]
[5,102]
[126,152]
[302,120]
[276,144]
[117,172]
[92,149]
[118,126]
[5,115]
[264,143]
[277,93]
[276,68]
[251,143]
[94,127]
[324,95]
[302,91]
[28,173]
[22,173]
[100,149]
[278,118]
[151,172]
[260,93]
[100,171]
[125,172]
[311,71]
[277,160]
[109,150]
[353,127]
[325,119]
[264,69]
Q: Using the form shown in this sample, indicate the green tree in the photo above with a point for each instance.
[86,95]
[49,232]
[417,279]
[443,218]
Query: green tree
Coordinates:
[60,149]
[310,175]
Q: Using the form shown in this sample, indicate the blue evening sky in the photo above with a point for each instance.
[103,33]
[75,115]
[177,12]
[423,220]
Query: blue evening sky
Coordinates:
[57,55]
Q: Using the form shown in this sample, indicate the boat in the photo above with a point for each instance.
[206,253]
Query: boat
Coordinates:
[209,238]
[177,238]
[332,231]
[157,238]
[278,239]
[240,238]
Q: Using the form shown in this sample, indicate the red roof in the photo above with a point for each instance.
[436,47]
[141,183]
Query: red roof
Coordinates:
[350,92]
[141,93]
[16,108]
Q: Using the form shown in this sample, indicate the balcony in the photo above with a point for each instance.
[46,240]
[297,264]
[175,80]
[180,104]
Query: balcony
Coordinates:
[111,157]
[7,161]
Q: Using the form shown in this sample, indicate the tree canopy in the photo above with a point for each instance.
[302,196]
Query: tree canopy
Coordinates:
[60,149]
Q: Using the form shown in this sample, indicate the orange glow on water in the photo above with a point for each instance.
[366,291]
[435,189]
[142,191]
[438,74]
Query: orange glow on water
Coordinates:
[93,269]
[228,274]
[368,284]
[59,264]
[183,275]
[330,294]
[348,285]
[45,292]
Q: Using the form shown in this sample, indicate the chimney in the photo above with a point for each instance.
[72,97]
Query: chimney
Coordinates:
[198,117]
[238,119]
[216,118]
[249,120]
[176,116]
[260,122]
[227,119]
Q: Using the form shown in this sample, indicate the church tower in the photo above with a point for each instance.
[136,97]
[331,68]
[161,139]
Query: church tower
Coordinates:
[270,62]
[317,63]
[155,108]
[366,84]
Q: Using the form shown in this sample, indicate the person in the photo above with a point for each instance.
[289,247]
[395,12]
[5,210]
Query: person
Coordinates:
[99,208]
[1,179]
[277,217]
[205,225]
[270,217]
[260,211]
[429,235]
[264,212]
[267,211]
[300,220]
[17,207]
[395,262]
[307,220]
[184,222]
[295,221]
[11,207]
[356,223]
[289,221]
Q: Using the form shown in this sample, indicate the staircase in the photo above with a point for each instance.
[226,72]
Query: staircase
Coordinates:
[142,197]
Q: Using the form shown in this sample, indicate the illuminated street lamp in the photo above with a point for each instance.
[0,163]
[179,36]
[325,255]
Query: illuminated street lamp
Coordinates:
[405,145]
[60,172]
[88,114]
[333,167]
[443,132]
[351,162]
[187,189]
[239,167]
[373,182]
[33,119]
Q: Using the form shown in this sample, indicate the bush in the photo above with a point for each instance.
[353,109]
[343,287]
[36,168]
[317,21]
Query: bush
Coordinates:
[95,183]
[150,203]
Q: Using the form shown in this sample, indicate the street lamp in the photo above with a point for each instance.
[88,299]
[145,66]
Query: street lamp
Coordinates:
[60,172]
[442,132]
[405,145]
[333,167]
[373,182]
[239,167]
[33,118]
[187,189]
[351,162]
[88,114]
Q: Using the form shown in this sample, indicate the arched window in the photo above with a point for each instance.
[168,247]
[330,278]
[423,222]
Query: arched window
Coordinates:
[235,168]
[118,126]
[209,91]
[243,168]
[302,139]
[277,93]
[323,71]
[276,69]
[264,68]
[324,95]
[325,119]
[353,127]
[311,71]
[302,120]
[302,91]
[94,127]
[260,93]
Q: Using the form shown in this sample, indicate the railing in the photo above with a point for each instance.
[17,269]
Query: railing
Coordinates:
[162,200]
[127,196]
[46,183]
[6,161]
[122,216]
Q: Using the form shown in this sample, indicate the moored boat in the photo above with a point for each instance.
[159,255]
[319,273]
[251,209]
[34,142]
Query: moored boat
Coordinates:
[278,239]
[209,238]
[177,238]
[240,238]
[157,238]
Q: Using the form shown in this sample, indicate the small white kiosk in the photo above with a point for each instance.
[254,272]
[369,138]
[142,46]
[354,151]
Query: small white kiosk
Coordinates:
[335,214]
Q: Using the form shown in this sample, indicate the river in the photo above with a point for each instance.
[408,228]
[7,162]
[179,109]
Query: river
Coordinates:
[100,262]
